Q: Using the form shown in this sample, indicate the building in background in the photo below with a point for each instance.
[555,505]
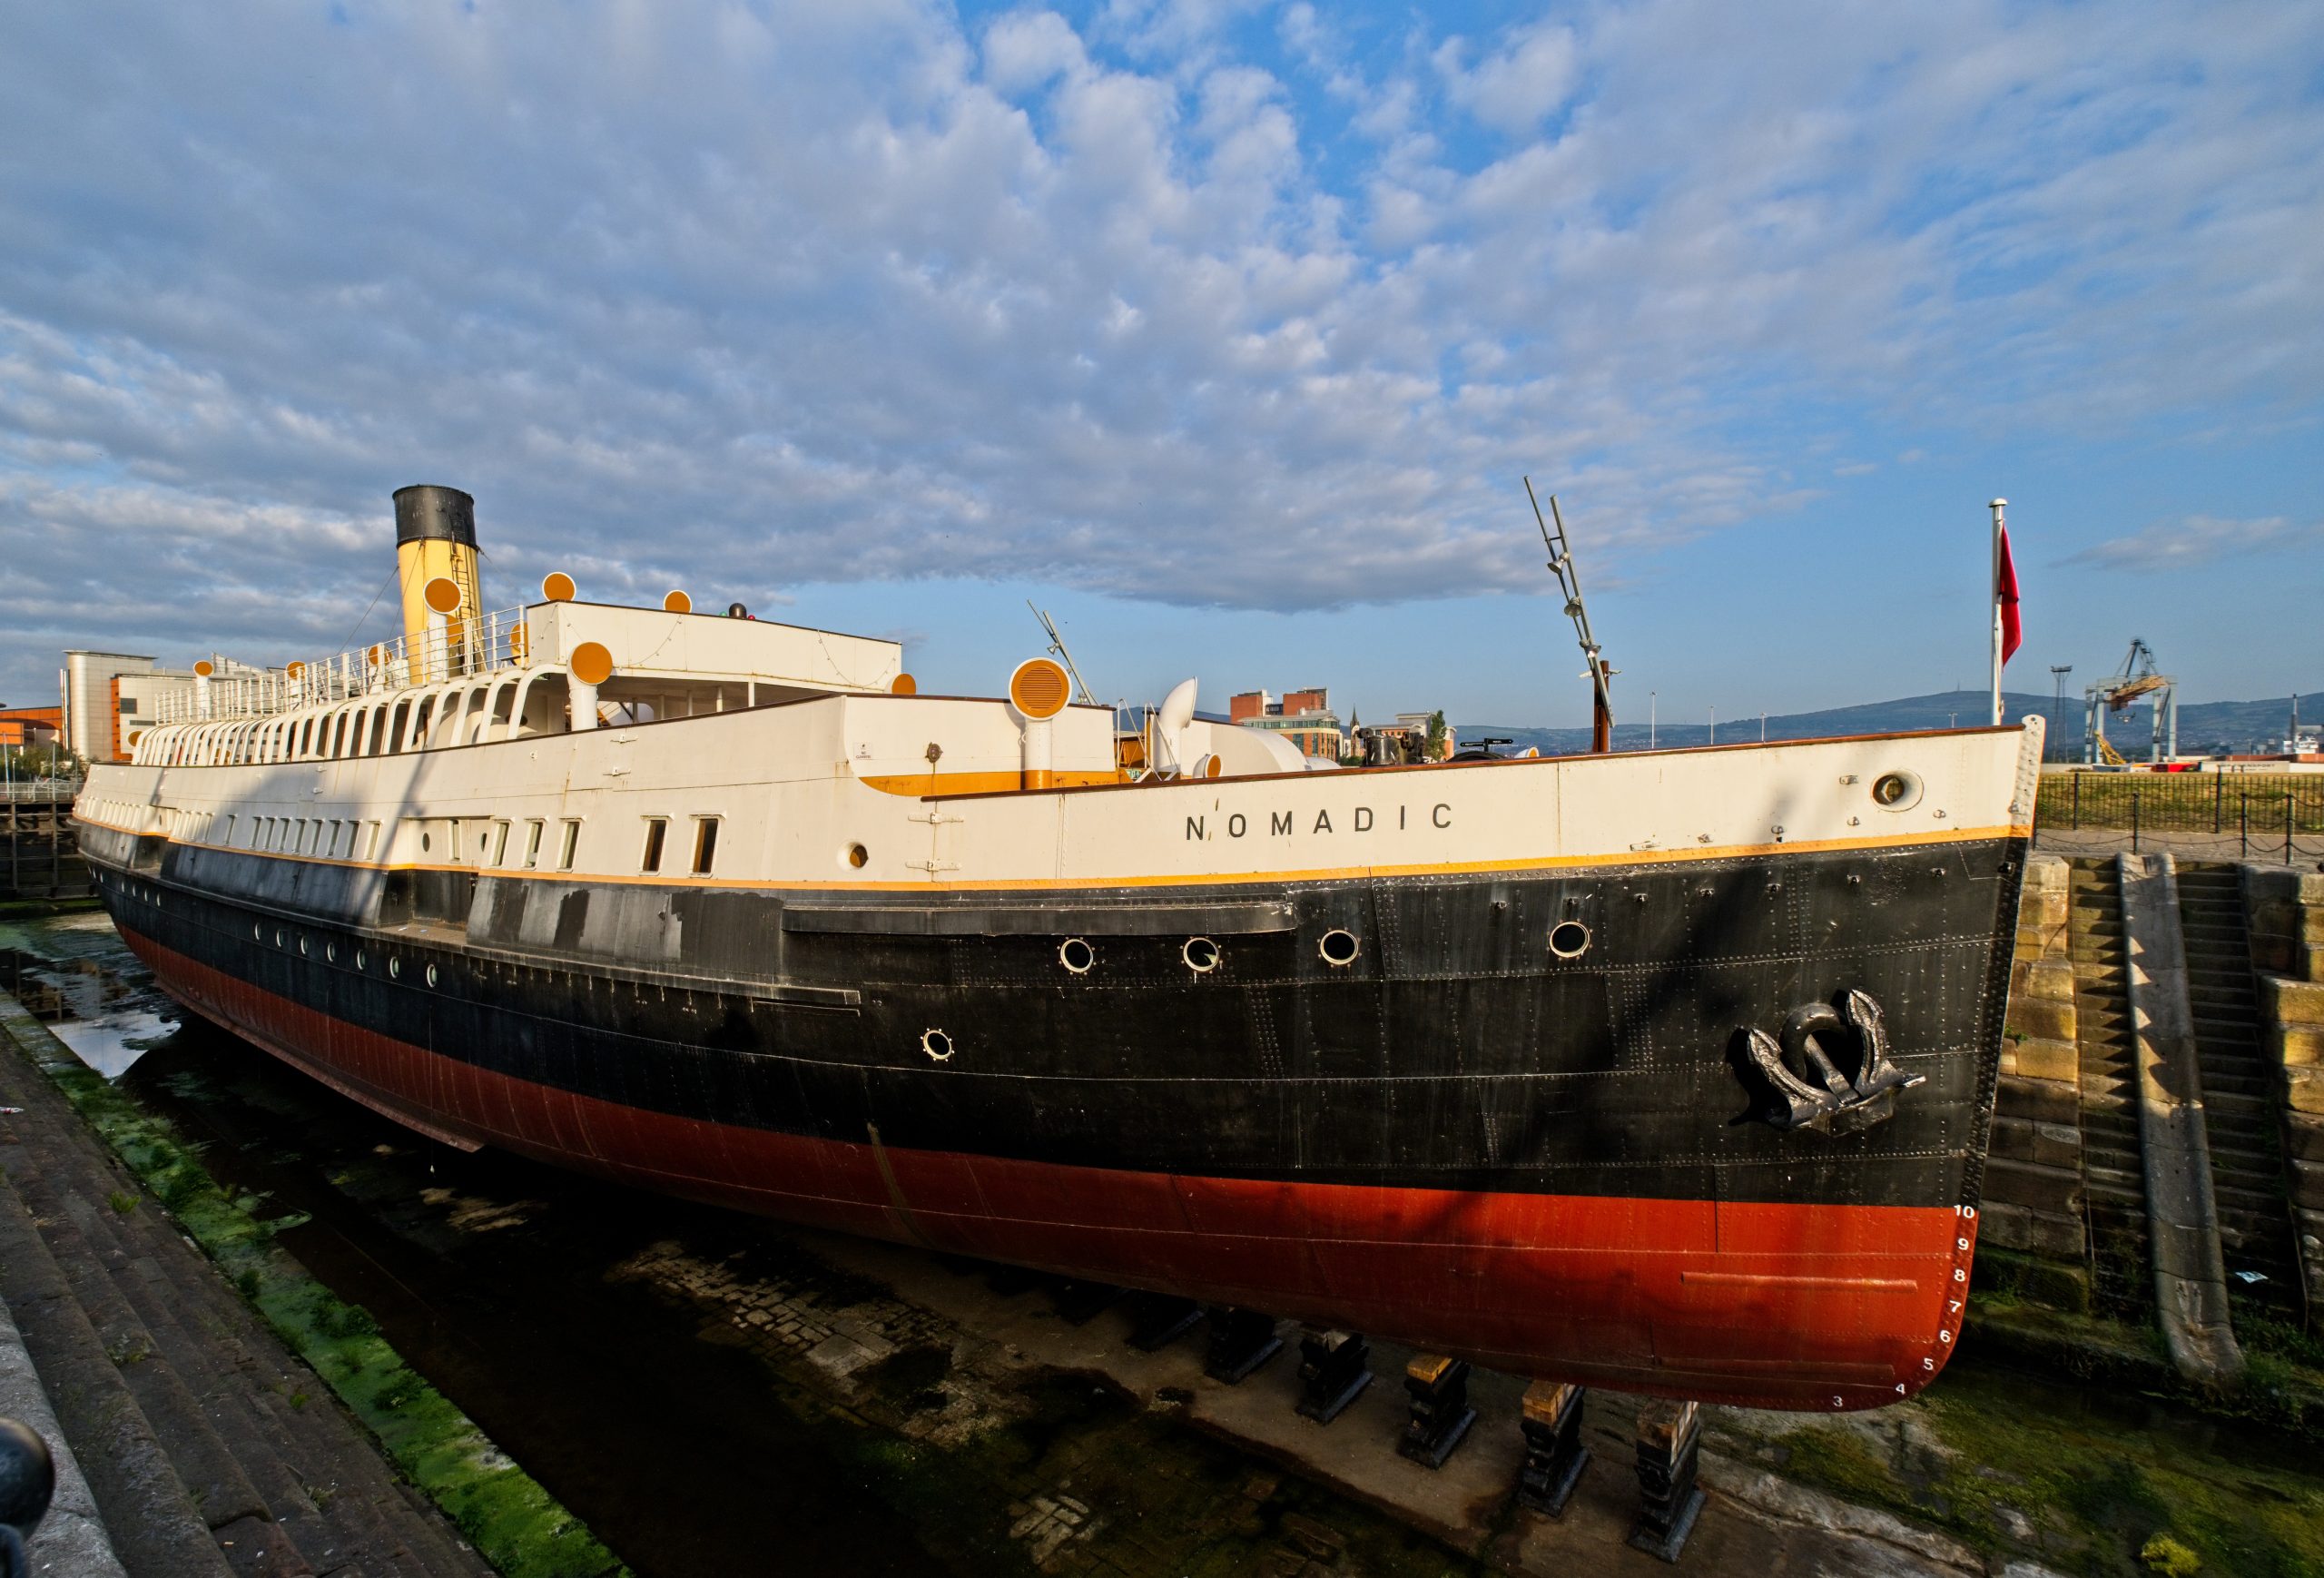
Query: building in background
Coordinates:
[1304,717]
[1403,741]
[30,728]
[110,698]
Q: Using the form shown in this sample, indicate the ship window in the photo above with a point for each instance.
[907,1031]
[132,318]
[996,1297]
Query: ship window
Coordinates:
[500,843]
[566,850]
[533,844]
[706,845]
[372,840]
[657,828]
[227,837]
[310,835]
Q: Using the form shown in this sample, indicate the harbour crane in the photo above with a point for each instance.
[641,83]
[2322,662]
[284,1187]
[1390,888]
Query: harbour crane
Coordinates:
[2139,679]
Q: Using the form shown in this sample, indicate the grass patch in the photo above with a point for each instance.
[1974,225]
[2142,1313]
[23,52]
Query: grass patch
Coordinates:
[2183,802]
[2107,1485]
[517,1527]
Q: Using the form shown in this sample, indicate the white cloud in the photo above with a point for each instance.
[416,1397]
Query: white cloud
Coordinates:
[2199,539]
[1519,84]
[744,295]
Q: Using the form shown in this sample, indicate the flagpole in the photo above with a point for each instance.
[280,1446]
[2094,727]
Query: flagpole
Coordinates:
[1992,595]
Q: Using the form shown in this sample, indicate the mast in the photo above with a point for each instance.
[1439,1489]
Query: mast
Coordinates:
[1601,703]
[1056,648]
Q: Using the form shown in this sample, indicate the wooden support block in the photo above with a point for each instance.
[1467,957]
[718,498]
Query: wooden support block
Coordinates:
[1438,1387]
[1333,1370]
[1670,1453]
[1551,1417]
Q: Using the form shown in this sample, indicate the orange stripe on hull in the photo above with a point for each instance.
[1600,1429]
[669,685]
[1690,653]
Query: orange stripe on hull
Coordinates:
[1778,1305]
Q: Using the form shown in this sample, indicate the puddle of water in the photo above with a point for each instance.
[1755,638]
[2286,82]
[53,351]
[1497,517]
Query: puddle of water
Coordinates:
[110,1043]
[74,973]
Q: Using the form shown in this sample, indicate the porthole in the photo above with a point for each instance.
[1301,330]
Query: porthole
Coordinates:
[303,947]
[258,933]
[1896,791]
[431,975]
[1338,947]
[1569,939]
[331,953]
[937,1045]
[395,969]
[1077,955]
[278,939]
[359,958]
[856,855]
[1201,955]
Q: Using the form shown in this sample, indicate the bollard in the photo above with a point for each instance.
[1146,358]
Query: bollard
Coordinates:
[1241,1343]
[1551,1417]
[28,1484]
[1159,1319]
[1669,1449]
[1441,1415]
[1333,1370]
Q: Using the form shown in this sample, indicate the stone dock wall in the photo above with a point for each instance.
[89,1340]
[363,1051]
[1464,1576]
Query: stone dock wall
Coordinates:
[2036,1237]
[2032,1200]
[2284,909]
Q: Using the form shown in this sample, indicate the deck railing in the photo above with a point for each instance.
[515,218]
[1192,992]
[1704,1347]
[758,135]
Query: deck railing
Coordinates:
[459,649]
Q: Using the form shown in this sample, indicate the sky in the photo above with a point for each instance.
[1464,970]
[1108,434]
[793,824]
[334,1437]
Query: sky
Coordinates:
[1225,331]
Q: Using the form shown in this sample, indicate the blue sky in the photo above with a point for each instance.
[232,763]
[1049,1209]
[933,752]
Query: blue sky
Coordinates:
[1224,330]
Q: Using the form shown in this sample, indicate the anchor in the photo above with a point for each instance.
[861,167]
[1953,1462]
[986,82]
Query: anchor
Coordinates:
[1834,1103]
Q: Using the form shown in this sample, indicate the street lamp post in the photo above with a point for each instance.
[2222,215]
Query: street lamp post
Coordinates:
[2058,672]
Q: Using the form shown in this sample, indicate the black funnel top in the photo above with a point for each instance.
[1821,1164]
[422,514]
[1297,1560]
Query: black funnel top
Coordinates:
[425,510]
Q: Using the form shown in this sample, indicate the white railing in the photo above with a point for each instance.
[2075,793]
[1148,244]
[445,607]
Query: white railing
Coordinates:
[458,649]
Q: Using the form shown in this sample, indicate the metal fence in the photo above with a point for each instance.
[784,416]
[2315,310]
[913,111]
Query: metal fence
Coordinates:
[2222,815]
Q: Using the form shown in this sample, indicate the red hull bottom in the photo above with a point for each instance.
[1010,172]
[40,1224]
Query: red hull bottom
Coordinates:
[1796,1306]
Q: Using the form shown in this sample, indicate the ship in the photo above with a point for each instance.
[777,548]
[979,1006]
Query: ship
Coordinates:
[1670,1072]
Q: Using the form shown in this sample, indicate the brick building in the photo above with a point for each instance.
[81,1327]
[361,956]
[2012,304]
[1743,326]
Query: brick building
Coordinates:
[1304,717]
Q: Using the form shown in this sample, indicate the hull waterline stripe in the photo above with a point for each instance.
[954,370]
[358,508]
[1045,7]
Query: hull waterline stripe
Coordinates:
[1590,1288]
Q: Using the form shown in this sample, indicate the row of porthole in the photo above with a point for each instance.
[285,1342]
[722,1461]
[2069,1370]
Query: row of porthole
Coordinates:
[1338,947]
[1199,955]
[331,953]
[143,895]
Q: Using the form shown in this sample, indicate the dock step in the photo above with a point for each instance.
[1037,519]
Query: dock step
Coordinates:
[211,1450]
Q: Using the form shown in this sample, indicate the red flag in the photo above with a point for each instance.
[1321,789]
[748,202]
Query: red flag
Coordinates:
[2005,594]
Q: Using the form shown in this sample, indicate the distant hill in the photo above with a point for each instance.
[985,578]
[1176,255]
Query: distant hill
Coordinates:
[2234,726]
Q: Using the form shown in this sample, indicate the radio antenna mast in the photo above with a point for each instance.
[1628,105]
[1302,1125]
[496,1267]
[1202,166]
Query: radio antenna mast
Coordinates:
[1602,702]
[1056,645]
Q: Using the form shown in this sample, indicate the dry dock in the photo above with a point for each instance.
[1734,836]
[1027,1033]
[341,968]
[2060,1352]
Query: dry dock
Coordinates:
[709,1393]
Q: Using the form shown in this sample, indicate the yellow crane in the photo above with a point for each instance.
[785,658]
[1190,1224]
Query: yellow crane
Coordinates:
[2139,679]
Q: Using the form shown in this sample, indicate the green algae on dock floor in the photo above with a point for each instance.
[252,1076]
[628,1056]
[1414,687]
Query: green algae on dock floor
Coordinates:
[2083,1480]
